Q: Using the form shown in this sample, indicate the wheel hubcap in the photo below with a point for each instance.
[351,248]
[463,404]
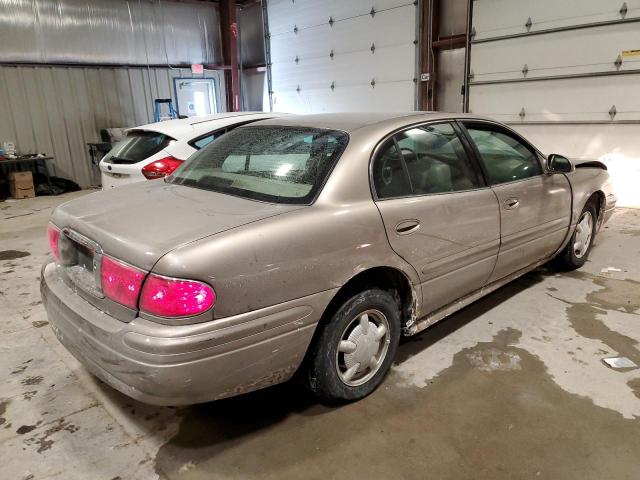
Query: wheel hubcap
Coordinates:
[582,238]
[362,348]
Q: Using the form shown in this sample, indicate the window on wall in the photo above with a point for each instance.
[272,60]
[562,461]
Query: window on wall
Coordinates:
[506,159]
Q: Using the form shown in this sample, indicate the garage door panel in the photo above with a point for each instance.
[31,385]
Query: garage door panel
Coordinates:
[587,99]
[391,28]
[347,98]
[557,54]
[284,15]
[305,86]
[492,18]
[321,72]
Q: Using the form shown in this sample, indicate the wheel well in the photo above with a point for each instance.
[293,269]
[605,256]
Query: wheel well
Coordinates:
[598,200]
[384,278]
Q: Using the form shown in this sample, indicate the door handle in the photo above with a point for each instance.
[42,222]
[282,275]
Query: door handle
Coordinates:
[406,227]
[511,203]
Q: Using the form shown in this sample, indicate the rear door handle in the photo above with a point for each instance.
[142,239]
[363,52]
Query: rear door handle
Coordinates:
[406,227]
[511,203]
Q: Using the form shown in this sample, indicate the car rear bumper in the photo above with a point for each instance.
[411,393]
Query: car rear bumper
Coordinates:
[185,364]
[113,180]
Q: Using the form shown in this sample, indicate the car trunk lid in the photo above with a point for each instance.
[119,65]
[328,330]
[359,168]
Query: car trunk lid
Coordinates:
[141,222]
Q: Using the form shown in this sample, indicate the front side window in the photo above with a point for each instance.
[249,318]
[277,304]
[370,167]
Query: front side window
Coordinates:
[268,163]
[505,158]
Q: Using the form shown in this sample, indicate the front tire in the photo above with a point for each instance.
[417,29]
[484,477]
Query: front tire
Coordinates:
[354,350]
[576,252]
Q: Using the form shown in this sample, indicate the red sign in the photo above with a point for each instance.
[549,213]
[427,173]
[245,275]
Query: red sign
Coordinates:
[197,68]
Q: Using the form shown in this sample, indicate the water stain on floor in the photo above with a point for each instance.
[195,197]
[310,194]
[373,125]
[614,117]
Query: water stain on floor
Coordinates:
[12,254]
[43,440]
[634,384]
[472,421]
[3,410]
[614,295]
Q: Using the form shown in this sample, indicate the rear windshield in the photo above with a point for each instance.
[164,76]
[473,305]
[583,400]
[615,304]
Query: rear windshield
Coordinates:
[137,146]
[272,164]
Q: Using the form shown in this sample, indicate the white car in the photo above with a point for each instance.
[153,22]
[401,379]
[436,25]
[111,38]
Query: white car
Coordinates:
[157,149]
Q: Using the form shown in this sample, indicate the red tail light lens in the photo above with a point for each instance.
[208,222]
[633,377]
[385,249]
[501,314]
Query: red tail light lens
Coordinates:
[173,297]
[53,235]
[161,168]
[121,282]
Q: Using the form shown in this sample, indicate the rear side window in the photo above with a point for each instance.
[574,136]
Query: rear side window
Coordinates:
[137,146]
[436,160]
[505,158]
[206,140]
[389,175]
[273,164]
[428,159]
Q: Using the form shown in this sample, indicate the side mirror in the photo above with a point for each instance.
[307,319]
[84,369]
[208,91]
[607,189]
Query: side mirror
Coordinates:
[559,164]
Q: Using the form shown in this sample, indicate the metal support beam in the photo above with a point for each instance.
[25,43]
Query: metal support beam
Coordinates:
[229,30]
[447,43]
[428,31]
[267,52]
[467,56]
[431,43]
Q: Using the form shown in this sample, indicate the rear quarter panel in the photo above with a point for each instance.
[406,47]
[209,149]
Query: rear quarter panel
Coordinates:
[300,253]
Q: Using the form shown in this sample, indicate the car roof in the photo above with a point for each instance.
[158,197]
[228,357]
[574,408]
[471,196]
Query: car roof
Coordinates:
[181,127]
[351,121]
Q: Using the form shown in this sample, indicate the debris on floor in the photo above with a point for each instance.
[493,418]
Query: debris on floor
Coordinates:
[619,362]
[608,270]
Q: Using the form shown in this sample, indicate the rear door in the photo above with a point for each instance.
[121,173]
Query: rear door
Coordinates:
[535,207]
[438,213]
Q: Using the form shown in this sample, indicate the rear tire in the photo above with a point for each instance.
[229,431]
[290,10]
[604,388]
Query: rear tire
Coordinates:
[353,351]
[576,252]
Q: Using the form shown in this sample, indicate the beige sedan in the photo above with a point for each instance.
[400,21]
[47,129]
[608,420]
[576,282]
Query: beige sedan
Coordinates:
[308,244]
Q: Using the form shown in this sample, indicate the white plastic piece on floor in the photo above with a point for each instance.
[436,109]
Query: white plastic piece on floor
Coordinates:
[619,362]
[610,269]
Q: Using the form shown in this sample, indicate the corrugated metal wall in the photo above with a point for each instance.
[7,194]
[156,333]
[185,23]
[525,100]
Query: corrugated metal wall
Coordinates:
[58,110]
[126,32]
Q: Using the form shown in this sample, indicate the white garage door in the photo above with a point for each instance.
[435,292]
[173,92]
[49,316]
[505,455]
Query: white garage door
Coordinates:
[339,55]
[567,75]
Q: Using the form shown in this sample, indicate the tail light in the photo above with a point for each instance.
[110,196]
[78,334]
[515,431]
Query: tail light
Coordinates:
[174,297]
[161,168]
[121,282]
[53,235]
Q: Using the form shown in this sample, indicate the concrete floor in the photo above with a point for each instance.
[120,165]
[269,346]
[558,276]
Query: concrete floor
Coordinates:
[512,387]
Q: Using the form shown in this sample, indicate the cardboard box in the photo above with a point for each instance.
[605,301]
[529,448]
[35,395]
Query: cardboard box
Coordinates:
[21,185]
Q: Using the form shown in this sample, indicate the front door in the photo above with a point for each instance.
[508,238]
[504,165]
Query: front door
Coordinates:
[535,207]
[438,213]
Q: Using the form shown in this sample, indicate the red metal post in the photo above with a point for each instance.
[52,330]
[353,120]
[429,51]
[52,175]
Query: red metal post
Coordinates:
[229,30]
